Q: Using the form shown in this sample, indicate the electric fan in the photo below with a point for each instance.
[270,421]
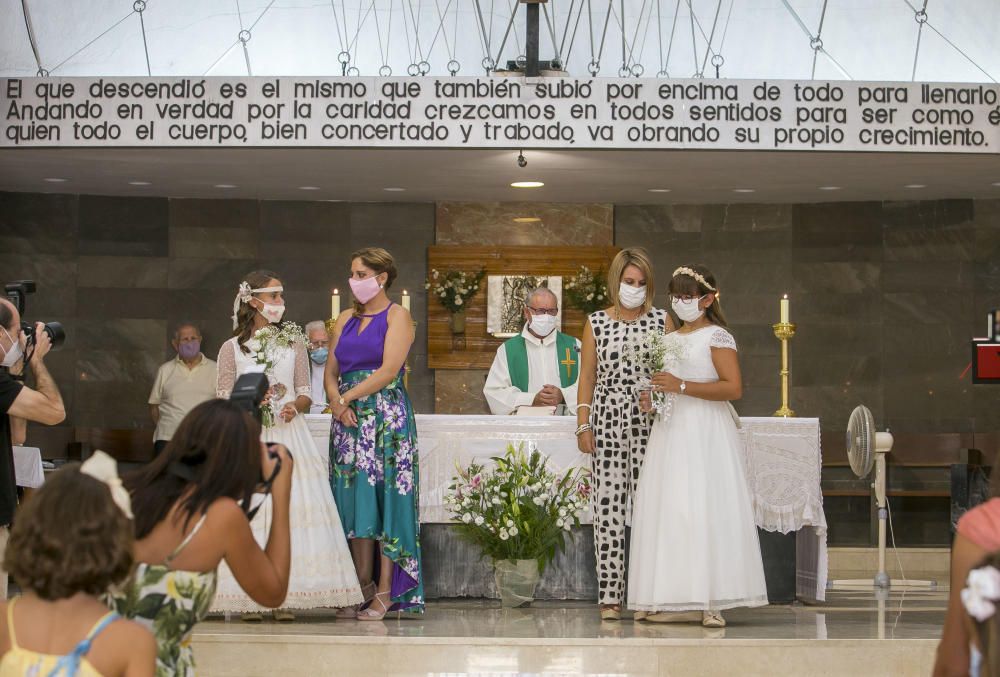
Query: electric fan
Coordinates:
[867,448]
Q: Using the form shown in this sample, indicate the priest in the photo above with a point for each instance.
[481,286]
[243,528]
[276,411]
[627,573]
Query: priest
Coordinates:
[539,366]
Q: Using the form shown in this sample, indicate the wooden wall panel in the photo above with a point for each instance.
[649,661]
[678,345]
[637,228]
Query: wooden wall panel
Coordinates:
[480,347]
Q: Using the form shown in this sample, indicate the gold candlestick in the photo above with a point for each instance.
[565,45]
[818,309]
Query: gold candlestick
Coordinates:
[784,331]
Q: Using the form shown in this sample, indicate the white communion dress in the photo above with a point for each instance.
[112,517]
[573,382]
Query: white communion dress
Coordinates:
[694,541]
[322,573]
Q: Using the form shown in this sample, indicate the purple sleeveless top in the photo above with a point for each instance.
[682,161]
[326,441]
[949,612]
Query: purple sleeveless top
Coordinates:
[362,351]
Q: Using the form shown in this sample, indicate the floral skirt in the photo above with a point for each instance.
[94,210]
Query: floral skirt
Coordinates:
[374,475]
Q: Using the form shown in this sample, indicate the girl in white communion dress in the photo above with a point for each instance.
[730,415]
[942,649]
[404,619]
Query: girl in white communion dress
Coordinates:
[694,549]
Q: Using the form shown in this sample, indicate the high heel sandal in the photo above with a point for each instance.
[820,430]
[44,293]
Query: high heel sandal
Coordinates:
[370,614]
[349,612]
[611,613]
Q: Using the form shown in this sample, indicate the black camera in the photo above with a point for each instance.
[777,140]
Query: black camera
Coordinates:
[17,293]
[249,391]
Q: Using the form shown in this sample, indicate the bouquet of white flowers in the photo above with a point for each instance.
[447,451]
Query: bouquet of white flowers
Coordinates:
[651,352]
[454,288]
[269,340]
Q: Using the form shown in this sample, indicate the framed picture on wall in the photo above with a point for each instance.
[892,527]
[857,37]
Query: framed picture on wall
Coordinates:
[505,295]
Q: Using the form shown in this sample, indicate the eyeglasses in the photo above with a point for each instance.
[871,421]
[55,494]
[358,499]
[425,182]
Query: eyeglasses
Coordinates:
[543,311]
[685,298]
[313,345]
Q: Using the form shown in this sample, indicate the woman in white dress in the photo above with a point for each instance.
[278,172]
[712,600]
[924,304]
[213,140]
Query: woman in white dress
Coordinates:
[694,549]
[322,573]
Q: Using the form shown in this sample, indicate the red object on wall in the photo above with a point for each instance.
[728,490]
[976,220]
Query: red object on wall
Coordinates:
[986,362]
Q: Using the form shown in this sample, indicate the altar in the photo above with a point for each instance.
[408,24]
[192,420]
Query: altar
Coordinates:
[782,456]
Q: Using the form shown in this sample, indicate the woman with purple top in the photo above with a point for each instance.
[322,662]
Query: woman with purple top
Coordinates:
[373,441]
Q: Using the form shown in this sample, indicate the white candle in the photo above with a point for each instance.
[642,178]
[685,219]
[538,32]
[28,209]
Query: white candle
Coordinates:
[784,309]
[335,304]
[406,300]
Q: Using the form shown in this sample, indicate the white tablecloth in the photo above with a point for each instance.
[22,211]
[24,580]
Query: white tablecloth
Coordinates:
[783,464]
[28,467]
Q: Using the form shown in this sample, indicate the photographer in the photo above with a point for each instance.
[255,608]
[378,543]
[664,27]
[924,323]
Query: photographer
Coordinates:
[19,404]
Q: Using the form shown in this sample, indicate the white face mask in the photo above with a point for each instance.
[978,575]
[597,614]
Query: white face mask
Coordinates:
[688,310]
[631,297]
[13,354]
[272,312]
[542,325]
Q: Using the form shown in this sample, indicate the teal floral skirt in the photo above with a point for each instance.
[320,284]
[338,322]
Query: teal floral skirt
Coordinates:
[374,475]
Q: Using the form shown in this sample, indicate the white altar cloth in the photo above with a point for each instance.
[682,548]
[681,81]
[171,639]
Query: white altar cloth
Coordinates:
[28,470]
[783,462]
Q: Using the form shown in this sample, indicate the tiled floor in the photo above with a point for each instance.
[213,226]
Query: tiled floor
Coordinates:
[464,637]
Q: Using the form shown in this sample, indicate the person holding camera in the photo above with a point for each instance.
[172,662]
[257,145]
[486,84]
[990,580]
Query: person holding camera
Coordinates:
[322,570]
[20,404]
[192,515]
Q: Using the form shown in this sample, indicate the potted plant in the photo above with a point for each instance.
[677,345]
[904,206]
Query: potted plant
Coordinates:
[518,512]
[586,291]
[453,289]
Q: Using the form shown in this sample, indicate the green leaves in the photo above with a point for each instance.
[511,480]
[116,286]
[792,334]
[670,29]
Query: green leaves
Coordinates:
[519,508]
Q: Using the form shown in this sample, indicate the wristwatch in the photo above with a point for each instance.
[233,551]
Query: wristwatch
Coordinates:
[684,386]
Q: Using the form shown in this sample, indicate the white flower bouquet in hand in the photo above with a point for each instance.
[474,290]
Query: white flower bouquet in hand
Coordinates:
[651,352]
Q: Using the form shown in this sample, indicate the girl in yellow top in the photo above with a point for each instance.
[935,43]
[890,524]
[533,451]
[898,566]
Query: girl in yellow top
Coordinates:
[70,543]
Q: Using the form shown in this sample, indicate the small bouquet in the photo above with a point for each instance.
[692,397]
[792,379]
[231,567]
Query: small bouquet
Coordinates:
[651,352]
[270,340]
[519,509]
[454,287]
[587,291]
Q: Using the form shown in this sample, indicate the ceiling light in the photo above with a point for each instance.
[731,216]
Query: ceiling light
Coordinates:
[744,190]
[997,184]
[829,187]
[393,190]
[139,183]
[527,219]
[659,190]
[308,187]
[915,185]
[527,184]
[224,185]
[56,180]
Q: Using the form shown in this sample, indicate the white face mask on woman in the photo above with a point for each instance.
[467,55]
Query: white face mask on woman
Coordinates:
[631,297]
[272,312]
[688,310]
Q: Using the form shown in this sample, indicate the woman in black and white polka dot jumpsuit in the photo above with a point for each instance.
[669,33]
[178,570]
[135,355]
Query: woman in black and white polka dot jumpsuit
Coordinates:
[611,426]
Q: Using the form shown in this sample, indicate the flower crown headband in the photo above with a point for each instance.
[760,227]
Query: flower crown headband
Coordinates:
[244,294]
[699,278]
[982,592]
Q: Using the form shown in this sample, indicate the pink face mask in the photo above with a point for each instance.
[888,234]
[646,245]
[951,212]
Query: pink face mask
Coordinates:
[364,290]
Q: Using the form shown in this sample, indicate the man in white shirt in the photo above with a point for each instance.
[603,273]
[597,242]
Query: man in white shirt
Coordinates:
[181,384]
[538,367]
[319,351]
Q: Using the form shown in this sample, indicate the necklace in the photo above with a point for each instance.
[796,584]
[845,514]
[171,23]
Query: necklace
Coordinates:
[618,316]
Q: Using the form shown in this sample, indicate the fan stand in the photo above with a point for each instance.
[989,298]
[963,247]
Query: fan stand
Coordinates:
[881,580]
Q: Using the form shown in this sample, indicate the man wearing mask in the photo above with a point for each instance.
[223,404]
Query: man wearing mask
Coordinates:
[539,366]
[319,350]
[181,384]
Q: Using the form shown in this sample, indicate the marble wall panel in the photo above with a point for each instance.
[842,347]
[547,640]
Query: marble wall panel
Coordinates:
[33,223]
[460,391]
[837,231]
[493,223]
[138,272]
[115,226]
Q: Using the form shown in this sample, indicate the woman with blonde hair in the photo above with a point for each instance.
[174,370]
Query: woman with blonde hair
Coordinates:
[373,441]
[611,426]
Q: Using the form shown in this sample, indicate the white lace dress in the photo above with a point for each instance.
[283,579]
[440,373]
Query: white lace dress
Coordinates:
[322,573]
[694,541]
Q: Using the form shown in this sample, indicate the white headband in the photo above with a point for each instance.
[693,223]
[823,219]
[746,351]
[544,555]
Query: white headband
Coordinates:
[243,295]
[696,275]
[102,467]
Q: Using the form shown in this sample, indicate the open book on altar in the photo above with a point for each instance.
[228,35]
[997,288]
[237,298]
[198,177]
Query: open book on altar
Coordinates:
[535,411]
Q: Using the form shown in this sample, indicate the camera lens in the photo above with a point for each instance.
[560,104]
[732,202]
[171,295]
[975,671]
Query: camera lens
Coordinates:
[55,331]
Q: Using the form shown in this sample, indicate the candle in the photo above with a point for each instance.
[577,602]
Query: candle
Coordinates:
[335,304]
[406,300]
[784,309]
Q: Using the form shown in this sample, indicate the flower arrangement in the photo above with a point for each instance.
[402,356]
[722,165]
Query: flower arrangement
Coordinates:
[454,288]
[982,592]
[654,351]
[519,509]
[269,340]
[587,291]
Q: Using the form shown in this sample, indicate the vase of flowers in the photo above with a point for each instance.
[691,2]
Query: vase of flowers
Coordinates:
[518,511]
[268,341]
[586,291]
[453,289]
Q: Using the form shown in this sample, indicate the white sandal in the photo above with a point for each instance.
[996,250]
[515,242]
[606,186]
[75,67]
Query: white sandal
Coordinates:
[713,619]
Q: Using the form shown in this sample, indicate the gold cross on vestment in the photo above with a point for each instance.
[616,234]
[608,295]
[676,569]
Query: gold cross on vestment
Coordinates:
[569,362]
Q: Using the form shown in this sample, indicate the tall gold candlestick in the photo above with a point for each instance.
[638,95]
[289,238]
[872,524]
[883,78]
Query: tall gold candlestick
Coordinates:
[784,331]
